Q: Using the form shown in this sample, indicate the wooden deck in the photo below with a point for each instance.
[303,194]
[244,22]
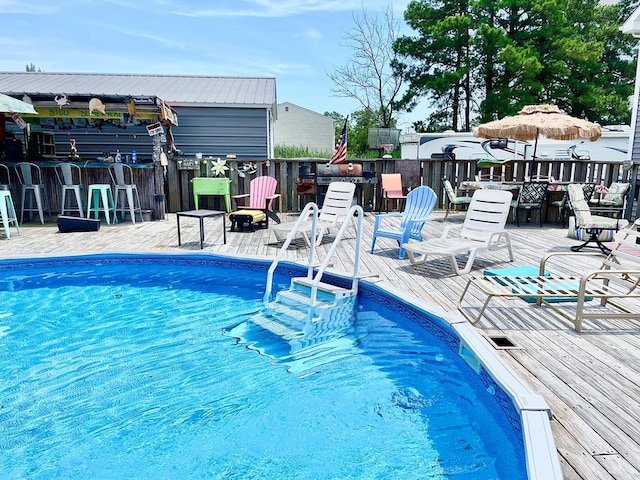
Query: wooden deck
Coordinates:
[591,380]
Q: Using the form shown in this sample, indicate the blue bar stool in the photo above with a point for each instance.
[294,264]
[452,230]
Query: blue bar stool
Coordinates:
[7,212]
[97,192]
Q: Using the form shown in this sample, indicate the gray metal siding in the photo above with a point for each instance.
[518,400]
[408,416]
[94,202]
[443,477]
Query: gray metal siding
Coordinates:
[212,131]
[221,131]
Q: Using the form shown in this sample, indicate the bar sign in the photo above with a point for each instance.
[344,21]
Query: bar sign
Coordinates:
[155,129]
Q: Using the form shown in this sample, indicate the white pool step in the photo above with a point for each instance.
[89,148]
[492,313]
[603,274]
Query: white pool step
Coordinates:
[276,327]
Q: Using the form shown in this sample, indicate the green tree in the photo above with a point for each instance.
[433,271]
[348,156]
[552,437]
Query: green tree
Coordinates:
[30,67]
[436,61]
[338,121]
[518,52]
[360,122]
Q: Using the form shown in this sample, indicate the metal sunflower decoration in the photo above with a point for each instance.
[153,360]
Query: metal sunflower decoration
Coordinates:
[219,168]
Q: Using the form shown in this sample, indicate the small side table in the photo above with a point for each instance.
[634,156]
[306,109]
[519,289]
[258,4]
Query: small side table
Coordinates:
[201,215]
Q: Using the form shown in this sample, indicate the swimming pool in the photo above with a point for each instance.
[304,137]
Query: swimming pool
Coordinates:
[137,366]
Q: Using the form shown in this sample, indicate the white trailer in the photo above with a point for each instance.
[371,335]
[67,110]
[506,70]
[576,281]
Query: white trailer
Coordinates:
[613,145]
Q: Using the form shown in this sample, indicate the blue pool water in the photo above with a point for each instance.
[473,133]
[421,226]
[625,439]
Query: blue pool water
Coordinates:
[143,367]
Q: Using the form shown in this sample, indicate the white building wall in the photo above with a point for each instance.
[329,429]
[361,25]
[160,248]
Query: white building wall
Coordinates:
[298,127]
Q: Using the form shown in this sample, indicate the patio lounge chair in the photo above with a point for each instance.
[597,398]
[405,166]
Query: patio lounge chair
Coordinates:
[616,284]
[335,207]
[417,211]
[483,229]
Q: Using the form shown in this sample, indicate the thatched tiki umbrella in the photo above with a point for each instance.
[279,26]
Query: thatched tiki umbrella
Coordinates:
[535,120]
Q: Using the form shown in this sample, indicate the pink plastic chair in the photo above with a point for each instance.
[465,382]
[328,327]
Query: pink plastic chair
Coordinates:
[262,194]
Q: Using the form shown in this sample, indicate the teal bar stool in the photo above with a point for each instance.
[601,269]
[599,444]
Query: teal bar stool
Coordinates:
[7,212]
[96,193]
[5,177]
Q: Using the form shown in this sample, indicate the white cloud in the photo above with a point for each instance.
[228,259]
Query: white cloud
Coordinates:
[281,8]
[162,40]
[28,7]
[6,43]
[311,33]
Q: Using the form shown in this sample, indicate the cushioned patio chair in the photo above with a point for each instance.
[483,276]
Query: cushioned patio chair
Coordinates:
[594,225]
[391,190]
[335,207]
[483,229]
[613,198]
[453,199]
[417,211]
[564,206]
[616,284]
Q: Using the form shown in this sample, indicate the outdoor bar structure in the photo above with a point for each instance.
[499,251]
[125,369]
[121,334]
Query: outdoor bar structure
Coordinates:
[92,120]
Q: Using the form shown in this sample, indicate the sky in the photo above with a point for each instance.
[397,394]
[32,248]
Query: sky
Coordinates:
[296,41]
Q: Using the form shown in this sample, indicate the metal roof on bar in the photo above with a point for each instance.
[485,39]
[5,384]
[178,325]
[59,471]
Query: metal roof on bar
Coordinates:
[174,89]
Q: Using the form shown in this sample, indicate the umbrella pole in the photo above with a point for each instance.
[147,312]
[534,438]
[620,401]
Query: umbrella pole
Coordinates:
[533,160]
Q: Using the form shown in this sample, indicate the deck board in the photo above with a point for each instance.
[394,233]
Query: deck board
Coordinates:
[591,380]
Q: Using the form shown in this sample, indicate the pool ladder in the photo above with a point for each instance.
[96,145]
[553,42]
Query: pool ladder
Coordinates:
[310,308]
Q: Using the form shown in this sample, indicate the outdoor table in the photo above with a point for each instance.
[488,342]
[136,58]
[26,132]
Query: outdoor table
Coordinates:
[201,215]
[514,186]
[476,185]
[479,185]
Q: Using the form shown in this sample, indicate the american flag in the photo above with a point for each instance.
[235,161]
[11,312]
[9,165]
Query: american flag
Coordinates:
[340,155]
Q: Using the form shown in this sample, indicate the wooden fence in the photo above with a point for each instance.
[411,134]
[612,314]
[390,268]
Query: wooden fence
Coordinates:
[415,172]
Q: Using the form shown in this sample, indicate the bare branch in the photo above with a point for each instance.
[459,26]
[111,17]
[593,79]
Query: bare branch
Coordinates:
[368,76]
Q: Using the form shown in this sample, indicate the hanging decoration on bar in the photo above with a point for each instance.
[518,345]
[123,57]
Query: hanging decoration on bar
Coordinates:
[62,100]
[97,105]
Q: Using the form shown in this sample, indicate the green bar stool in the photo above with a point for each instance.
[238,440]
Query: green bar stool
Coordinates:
[97,192]
[7,212]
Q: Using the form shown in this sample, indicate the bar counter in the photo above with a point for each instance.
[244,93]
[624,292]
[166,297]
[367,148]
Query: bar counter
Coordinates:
[147,176]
